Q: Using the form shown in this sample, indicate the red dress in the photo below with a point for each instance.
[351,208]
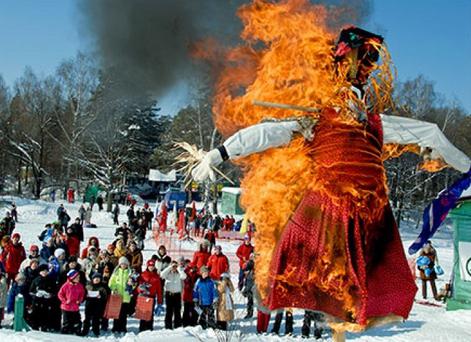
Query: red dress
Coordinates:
[341,252]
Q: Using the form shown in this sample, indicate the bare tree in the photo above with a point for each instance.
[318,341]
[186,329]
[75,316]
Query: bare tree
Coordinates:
[37,102]
[78,79]
[4,127]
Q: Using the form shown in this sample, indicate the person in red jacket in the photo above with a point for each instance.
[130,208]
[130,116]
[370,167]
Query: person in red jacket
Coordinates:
[73,238]
[201,256]
[150,286]
[190,316]
[92,241]
[14,256]
[243,253]
[218,264]
[210,235]
[71,294]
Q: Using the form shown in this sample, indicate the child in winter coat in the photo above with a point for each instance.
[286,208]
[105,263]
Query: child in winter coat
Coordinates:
[201,256]
[14,257]
[190,316]
[205,295]
[71,294]
[42,289]
[92,242]
[17,287]
[97,295]
[134,256]
[225,303]
[3,294]
[149,286]
[73,238]
[118,284]
[218,263]
[120,249]
[173,276]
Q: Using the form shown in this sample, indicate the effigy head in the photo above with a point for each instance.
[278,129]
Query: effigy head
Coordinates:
[359,49]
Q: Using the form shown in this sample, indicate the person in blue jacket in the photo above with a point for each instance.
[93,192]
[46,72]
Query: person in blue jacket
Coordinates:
[205,296]
[17,287]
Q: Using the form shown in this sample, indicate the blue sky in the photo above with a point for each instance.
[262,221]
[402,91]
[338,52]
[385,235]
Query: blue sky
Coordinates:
[429,37]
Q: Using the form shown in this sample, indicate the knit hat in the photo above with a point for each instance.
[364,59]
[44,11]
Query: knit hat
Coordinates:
[97,275]
[33,248]
[225,275]
[36,260]
[150,262]
[58,252]
[123,261]
[43,267]
[16,235]
[19,277]
[72,274]
[72,258]
[204,269]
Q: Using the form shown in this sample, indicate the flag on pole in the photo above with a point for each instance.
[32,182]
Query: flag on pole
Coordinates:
[163,217]
[193,212]
[181,224]
[436,212]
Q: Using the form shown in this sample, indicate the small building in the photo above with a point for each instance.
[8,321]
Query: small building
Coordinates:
[230,201]
[461,287]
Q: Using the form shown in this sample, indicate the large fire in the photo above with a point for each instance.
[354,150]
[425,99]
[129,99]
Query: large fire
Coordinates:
[287,59]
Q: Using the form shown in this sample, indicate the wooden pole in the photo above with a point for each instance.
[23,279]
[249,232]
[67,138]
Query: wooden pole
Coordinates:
[338,336]
[285,106]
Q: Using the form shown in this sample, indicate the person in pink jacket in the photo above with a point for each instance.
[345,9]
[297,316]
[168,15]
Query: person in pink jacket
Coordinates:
[71,294]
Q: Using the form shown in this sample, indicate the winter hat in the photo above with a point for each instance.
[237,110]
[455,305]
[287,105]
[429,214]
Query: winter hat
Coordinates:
[16,235]
[123,261]
[20,277]
[58,252]
[72,258]
[33,260]
[72,274]
[204,269]
[97,275]
[218,247]
[33,248]
[5,240]
[43,267]
[225,275]
[150,262]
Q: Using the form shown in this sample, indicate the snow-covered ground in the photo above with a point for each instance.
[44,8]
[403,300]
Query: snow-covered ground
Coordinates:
[426,323]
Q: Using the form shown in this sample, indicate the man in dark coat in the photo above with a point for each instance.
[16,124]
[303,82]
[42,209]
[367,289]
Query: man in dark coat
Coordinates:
[97,295]
[43,290]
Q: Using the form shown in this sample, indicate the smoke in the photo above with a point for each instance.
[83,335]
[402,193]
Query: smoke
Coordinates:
[146,43]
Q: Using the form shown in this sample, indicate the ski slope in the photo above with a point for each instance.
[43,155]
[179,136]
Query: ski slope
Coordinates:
[426,323]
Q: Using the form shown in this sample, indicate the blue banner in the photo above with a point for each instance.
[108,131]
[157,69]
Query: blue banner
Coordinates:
[436,212]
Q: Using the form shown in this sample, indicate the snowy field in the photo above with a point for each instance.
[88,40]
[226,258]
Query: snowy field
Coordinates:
[426,323]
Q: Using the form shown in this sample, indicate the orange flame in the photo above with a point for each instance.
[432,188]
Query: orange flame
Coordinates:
[287,59]
[428,164]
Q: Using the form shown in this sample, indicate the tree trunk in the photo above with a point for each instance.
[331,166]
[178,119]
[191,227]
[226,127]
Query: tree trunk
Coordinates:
[399,211]
[18,189]
[109,200]
[37,190]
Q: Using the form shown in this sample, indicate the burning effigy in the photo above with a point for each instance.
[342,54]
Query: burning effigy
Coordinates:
[314,182]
